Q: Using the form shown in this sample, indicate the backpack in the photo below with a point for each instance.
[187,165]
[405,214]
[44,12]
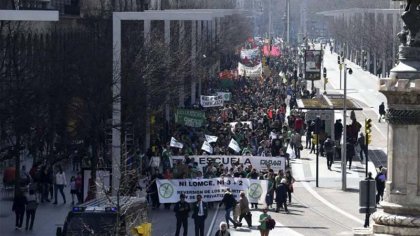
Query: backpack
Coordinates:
[328,146]
[270,223]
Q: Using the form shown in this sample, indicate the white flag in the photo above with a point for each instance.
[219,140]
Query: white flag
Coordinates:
[176,143]
[207,147]
[211,139]
[234,145]
[273,135]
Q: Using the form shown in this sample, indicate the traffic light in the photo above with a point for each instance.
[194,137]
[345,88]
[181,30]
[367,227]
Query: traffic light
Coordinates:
[325,72]
[326,80]
[368,130]
[338,60]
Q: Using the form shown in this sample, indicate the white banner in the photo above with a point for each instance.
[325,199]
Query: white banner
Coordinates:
[207,147]
[211,101]
[252,72]
[211,189]
[176,143]
[211,139]
[234,145]
[226,95]
[233,124]
[257,162]
[250,53]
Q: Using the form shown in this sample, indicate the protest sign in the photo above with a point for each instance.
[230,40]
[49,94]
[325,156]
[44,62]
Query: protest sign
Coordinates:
[257,162]
[207,147]
[211,189]
[211,101]
[211,139]
[226,96]
[234,145]
[176,143]
[190,118]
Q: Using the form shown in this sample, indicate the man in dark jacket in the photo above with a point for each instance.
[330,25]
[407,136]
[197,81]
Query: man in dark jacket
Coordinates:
[230,203]
[338,131]
[19,203]
[281,196]
[199,215]
[181,210]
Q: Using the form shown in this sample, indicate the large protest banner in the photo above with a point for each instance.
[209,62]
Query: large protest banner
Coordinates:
[257,162]
[190,118]
[253,72]
[211,101]
[211,189]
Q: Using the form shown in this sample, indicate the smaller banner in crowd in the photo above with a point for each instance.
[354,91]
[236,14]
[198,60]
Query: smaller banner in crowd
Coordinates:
[211,189]
[253,72]
[175,143]
[211,139]
[257,162]
[274,52]
[207,147]
[211,101]
[250,53]
[233,124]
[190,118]
[226,96]
[234,146]
[228,74]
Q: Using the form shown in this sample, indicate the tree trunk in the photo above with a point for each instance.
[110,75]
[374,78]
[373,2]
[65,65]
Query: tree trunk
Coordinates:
[16,153]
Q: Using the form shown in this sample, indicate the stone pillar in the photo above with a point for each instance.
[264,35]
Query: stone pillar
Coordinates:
[401,205]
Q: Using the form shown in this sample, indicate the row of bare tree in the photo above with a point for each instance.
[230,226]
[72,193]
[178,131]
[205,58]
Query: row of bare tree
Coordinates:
[56,86]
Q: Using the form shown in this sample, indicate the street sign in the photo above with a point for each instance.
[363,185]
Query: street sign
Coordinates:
[313,60]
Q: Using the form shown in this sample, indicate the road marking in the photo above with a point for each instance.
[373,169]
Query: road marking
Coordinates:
[213,221]
[329,204]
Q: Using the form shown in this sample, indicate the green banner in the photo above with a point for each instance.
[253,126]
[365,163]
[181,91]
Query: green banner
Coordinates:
[191,118]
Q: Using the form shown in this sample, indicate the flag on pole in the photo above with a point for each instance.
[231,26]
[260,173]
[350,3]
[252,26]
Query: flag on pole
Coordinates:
[207,147]
[234,146]
[211,139]
[176,143]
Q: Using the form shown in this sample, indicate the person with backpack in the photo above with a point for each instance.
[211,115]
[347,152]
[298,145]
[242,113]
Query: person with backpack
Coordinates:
[281,196]
[380,184]
[329,150]
[230,202]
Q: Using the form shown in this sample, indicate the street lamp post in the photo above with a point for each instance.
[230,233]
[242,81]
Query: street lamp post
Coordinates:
[344,148]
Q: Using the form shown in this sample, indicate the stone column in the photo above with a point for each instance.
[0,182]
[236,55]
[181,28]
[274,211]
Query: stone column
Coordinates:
[401,205]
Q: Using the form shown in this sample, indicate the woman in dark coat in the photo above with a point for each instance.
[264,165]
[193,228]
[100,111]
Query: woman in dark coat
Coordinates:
[19,203]
[281,195]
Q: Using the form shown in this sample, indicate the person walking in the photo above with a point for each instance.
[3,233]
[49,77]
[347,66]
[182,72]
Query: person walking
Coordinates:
[338,131]
[281,196]
[230,202]
[31,206]
[79,184]
[362,144]
[60,183]
[289,181]
[222,230]
[199,215]
[73,189]
[380,184]
[244,209]
[329,151]
[381,111]
[19,203]
[263,222]
[181,210]
[297,140]
[350,152]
